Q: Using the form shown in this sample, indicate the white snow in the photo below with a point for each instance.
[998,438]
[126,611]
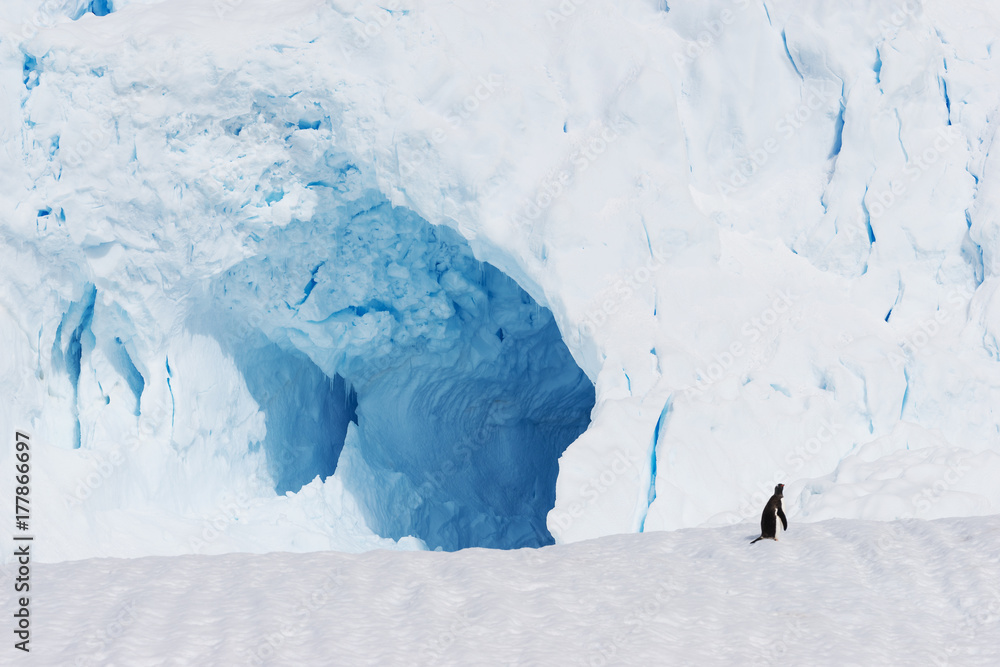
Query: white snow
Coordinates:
[837,592]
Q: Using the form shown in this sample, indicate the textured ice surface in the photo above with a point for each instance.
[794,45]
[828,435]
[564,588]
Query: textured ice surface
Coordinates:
[766,233]
[461,389]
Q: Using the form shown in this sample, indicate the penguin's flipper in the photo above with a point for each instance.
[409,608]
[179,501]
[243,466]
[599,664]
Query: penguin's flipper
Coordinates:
[784,521]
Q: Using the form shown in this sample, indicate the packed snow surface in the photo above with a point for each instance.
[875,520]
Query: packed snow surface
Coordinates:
[837,592]
[332,274]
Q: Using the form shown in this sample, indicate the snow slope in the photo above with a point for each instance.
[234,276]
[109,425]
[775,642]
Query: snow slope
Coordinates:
[339,275]
[837,592]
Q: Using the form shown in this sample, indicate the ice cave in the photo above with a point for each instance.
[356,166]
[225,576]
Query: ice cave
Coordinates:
[379,347]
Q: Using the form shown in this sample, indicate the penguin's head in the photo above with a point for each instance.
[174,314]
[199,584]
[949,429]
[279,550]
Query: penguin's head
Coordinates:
[779,490]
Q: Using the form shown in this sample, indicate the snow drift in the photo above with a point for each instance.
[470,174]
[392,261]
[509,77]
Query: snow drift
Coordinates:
[830,593]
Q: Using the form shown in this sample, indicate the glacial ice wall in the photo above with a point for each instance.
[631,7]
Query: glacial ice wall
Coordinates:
[764,230]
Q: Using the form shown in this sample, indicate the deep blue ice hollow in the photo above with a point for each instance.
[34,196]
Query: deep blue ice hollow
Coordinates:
[460,388]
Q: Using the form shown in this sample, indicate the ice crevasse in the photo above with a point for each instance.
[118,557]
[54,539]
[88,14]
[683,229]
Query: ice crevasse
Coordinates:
[335,275]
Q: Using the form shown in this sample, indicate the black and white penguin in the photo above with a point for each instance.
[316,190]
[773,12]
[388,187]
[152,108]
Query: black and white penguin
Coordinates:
[772,512]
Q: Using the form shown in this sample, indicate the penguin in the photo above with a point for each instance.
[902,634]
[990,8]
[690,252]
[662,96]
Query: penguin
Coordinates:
[768,523]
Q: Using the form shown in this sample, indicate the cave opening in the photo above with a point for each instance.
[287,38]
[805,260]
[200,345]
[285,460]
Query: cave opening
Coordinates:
[430,383]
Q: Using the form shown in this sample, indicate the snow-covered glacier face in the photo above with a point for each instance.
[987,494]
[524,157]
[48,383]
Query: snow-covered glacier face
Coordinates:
[256,262]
